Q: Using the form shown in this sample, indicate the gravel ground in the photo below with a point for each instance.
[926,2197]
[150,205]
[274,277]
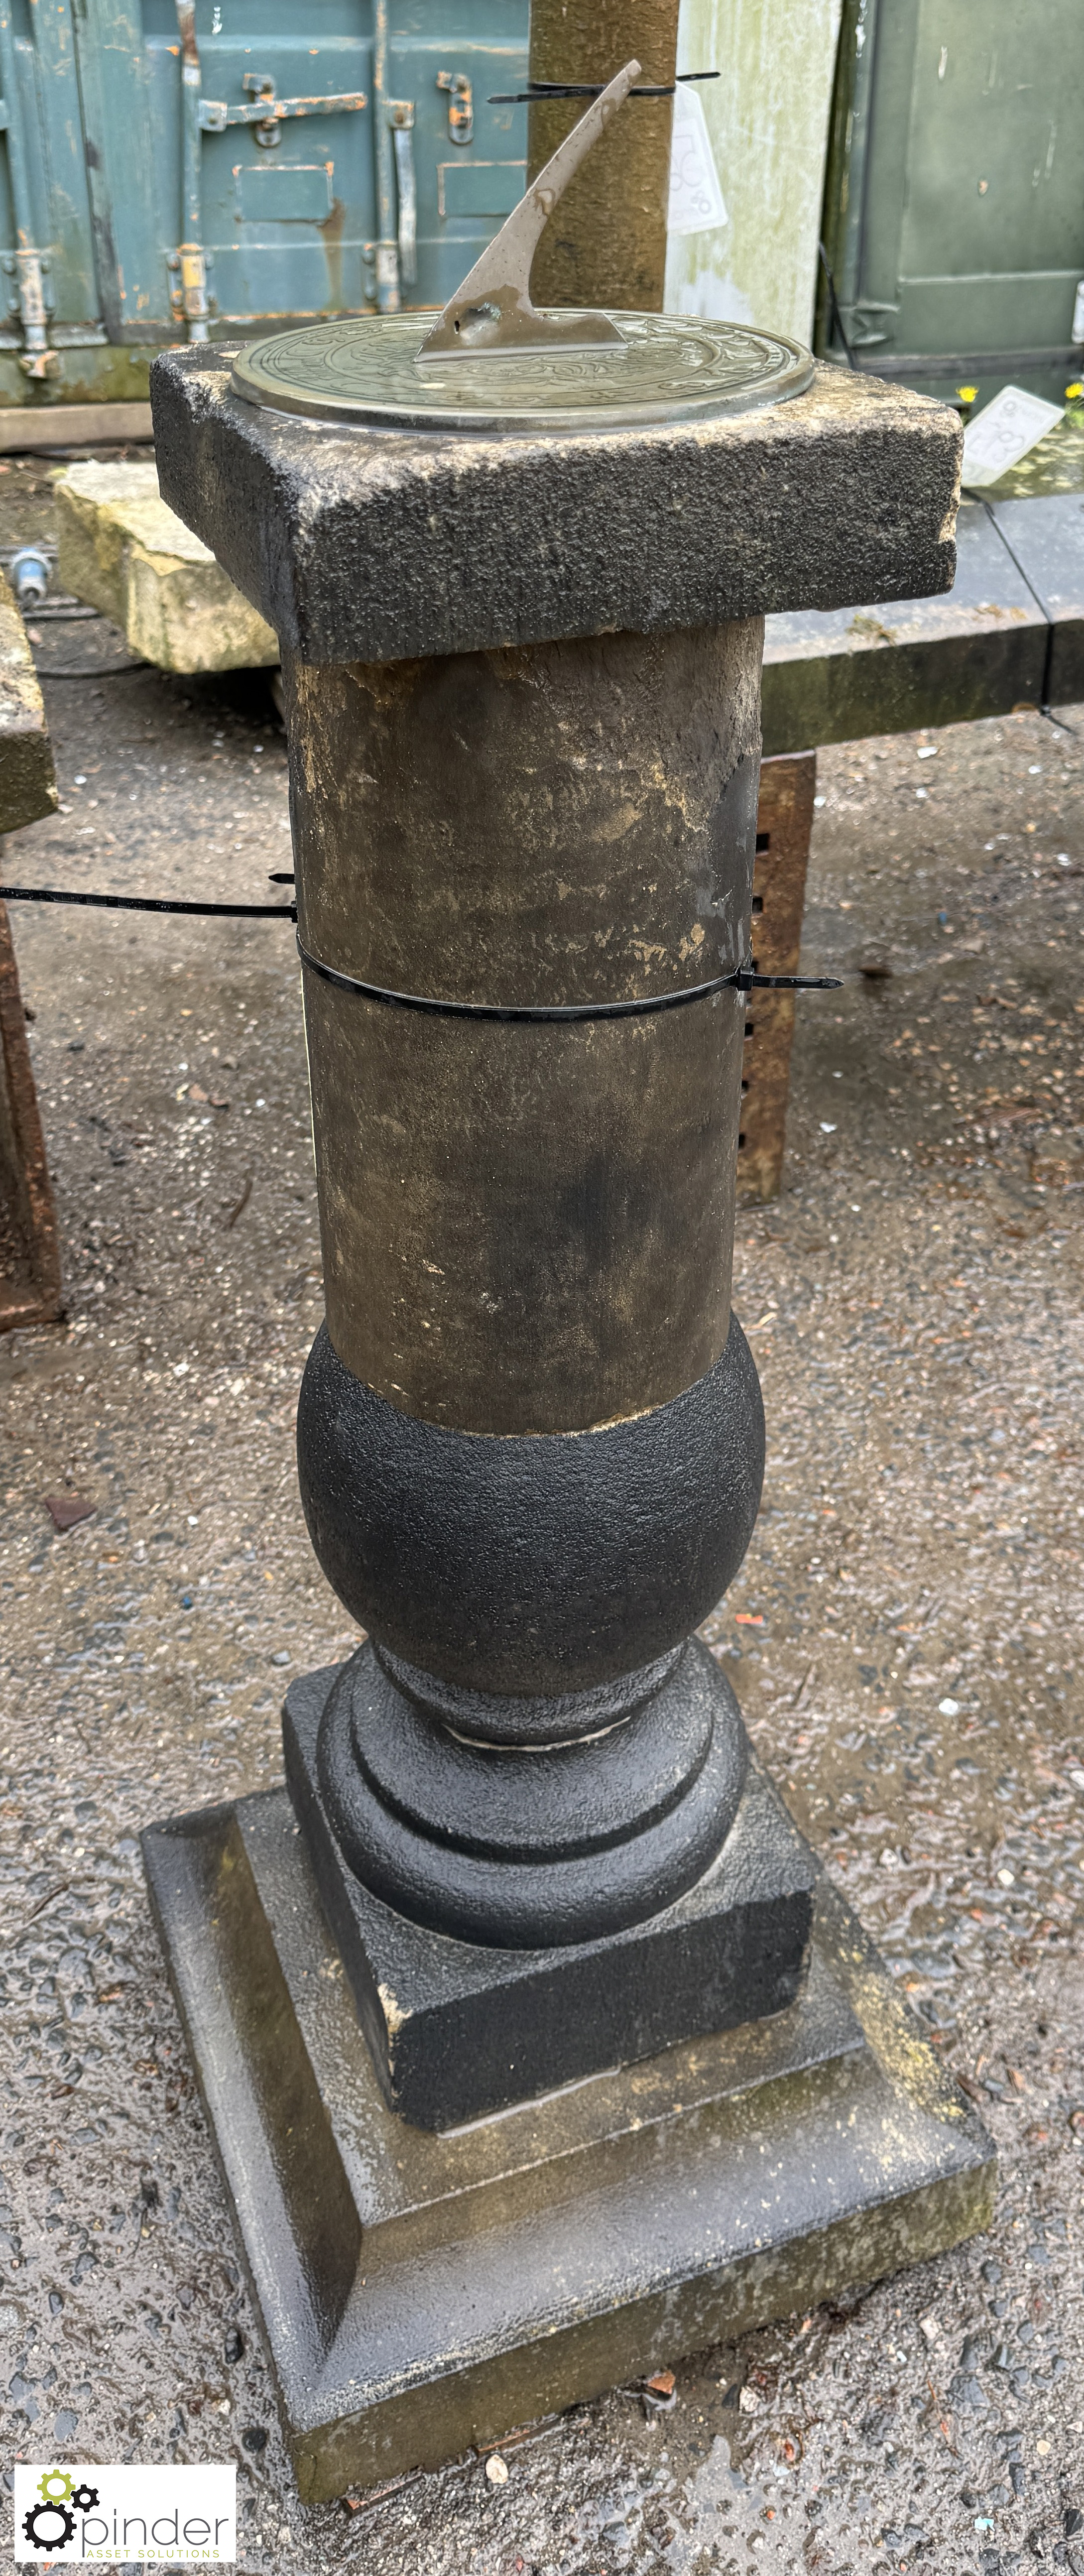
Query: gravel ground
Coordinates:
[901,1638]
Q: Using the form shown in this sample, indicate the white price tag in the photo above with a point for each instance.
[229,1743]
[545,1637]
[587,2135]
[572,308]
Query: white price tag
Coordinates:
[1011,425]
[696,198]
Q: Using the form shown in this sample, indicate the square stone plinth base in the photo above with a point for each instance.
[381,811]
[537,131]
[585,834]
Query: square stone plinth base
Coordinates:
[421,2291]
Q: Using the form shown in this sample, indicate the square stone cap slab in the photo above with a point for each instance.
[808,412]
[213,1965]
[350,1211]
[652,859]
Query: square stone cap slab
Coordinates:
[382,545]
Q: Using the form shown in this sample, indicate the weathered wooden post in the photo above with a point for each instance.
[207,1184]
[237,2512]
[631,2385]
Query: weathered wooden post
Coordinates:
[609,2072]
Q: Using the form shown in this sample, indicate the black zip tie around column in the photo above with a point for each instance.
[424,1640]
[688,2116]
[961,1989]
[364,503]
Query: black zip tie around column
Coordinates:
[741,979]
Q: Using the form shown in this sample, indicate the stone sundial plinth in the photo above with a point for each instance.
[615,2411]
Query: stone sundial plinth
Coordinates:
[535,2046]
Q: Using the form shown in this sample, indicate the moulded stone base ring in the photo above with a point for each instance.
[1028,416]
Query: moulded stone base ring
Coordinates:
[532,1849]
[562,1717]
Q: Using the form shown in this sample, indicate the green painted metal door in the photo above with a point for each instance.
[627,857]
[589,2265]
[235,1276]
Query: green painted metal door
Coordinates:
[955,209]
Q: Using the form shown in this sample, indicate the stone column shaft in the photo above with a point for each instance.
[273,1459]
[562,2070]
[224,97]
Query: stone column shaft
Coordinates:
[528,1225]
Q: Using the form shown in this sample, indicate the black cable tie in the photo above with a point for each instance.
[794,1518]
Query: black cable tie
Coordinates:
[537,90]
[147,903]
[747,982]
[741,979]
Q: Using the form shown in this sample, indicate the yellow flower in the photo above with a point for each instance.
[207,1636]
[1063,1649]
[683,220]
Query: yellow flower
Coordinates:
[967,393]
[1073,392]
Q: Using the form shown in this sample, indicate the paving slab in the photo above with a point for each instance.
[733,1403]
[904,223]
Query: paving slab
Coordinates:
[834,675]
[1046,539]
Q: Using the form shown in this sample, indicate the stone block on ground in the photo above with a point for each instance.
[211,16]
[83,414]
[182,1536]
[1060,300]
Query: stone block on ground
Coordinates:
[27,777]
[123,550]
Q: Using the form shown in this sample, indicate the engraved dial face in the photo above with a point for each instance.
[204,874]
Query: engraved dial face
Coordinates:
[670,368]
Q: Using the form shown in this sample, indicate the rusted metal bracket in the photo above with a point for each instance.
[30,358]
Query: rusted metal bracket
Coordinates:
[784,824]
[189,264]
[31,301]
[491,313]
[266,112]
[460,105]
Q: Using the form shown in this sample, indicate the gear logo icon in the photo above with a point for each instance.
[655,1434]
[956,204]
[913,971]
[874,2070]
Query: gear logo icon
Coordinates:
[84,2499]
[40,2525]
[55,2487]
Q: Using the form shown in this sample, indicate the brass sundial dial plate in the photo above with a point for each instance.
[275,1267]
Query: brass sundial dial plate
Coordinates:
[493,360]
[662,367]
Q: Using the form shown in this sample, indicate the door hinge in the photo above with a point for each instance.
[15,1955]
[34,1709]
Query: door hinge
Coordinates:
[32,302]
[188,298]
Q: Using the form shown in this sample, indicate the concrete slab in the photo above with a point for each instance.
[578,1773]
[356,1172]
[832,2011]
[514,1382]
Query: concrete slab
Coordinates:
[421,2292]
[123,549]
[836,675]
[1046,539]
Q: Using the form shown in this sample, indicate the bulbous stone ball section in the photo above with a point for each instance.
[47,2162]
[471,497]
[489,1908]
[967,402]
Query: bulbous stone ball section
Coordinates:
[531,1568]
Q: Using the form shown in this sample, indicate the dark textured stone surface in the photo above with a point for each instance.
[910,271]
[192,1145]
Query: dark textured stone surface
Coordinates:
[527,1227]
[461,2028]
[420,2292]
[533,1847]
[565,823]
[366,545]
[538,1564]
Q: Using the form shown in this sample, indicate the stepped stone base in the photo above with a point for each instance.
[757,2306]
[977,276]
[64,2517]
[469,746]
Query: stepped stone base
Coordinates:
[423,2291]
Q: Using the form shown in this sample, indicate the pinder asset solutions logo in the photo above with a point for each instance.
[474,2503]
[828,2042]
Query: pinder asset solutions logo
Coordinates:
[125,2516]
